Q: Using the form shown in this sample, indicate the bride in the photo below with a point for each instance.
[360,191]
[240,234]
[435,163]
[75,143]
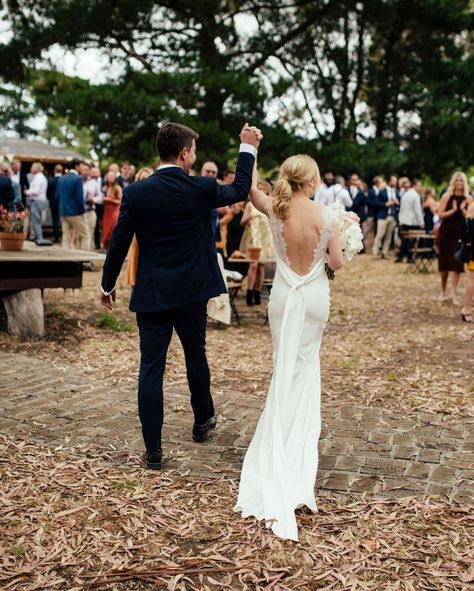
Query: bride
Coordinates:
[280,466]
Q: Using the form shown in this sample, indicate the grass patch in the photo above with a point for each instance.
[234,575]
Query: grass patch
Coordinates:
[108,321]
[350,363]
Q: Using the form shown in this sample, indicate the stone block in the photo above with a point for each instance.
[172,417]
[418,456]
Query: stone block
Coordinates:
[25,314]
[384,466]
[417,470]
[350,463]
[431,456]
[365,484]
[338,481]
[406,452]
[327,462]
[442,474]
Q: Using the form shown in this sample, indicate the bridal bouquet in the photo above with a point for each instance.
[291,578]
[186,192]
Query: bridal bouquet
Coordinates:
[350,234]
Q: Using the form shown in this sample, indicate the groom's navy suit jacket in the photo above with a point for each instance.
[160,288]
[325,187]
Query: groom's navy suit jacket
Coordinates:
[170,213]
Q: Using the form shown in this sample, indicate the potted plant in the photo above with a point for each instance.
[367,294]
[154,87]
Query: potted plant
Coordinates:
[12,222]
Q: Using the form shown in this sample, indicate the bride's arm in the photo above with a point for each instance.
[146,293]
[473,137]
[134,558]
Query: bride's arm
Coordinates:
[261,201]
[335,258]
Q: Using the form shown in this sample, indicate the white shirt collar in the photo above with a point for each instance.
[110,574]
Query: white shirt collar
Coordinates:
[168,166]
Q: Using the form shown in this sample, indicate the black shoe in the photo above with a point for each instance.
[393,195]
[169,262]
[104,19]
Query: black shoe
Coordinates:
[256,298]
[201,432]
[152,459]
[399,260]
[249,297]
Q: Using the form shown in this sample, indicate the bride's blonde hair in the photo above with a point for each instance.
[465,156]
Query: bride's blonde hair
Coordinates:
[294,173]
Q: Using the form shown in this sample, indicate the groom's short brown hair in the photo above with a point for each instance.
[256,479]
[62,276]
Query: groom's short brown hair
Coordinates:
[172,138]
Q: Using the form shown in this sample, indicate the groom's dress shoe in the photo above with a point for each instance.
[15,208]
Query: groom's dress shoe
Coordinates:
[152,459]
[201,432]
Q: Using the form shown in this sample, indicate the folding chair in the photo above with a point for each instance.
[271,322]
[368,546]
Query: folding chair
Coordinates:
[423,251]
[233,289]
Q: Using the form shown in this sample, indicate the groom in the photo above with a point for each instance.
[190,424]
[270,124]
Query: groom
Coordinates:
[170,213]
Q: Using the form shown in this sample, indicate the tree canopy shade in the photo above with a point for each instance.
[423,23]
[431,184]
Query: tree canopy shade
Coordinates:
[367,85]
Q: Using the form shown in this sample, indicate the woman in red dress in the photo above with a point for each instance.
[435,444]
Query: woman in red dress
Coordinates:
[112,201]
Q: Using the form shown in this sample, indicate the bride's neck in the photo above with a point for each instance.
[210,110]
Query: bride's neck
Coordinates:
[299,195]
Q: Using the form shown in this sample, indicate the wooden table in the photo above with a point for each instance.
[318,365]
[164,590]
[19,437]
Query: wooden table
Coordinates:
[26,273]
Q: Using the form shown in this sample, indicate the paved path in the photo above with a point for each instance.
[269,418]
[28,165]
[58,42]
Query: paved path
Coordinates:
[361,448]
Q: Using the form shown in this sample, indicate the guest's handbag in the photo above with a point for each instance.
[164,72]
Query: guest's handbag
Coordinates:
[461,253]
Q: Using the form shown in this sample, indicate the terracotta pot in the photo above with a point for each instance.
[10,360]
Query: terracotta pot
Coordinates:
[254,252]
[12,240]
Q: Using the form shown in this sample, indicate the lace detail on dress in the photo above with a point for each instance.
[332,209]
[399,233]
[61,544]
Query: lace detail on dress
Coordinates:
[330,218]
[276,225]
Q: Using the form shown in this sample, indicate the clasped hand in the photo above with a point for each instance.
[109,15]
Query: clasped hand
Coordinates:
[251,135]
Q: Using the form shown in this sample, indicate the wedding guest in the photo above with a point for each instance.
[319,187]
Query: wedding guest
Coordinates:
[229,177]
[371,226]
[99,207]
[468,239]
[235,229]
[337,193]
[38,201]
[209,169]
[403,185]
[359,199]
[112,201]
[386,201]
[257,233]
[133,172]
[115,168]
[125,174]
[410,218]
[17,176]
[7,193]
[92,197]
[53,202]
[132,257]
[70,196]
[451,216]
[328,182]
[430,208]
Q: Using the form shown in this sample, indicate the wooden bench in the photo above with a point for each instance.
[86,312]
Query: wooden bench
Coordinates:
[25,274]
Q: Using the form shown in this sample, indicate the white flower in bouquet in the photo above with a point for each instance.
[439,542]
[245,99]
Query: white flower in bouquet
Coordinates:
[349,232]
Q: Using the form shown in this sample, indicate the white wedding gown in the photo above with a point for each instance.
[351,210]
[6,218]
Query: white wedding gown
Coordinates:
[280,466]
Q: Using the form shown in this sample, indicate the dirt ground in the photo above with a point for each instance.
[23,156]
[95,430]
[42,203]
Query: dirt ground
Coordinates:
[71,520]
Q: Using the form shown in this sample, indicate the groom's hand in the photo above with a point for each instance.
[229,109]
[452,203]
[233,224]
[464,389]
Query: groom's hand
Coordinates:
[106,300]
[250,135]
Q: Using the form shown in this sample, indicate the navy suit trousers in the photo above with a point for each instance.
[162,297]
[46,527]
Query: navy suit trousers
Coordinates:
[156,329]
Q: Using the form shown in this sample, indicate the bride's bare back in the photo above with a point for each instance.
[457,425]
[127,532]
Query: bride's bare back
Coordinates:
[302,233]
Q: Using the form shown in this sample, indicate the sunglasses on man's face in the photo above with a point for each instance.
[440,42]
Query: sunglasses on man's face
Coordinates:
[211,171]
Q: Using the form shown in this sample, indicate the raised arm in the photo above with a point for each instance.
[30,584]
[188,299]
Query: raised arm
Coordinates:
[239,189]
[261,201]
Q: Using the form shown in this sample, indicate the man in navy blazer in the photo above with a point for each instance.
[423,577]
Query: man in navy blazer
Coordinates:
[70,197]
[7,194]
[170,213]
[386,201]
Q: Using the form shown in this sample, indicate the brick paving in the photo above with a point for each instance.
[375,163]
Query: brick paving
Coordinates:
[361,448]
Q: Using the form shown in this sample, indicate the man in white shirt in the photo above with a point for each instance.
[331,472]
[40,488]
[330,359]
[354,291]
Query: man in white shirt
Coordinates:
[337,194]
[37,199]
[328,181]
[92,196]
[410,217]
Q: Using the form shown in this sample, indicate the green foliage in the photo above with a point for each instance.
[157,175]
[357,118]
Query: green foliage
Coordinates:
[333,73]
